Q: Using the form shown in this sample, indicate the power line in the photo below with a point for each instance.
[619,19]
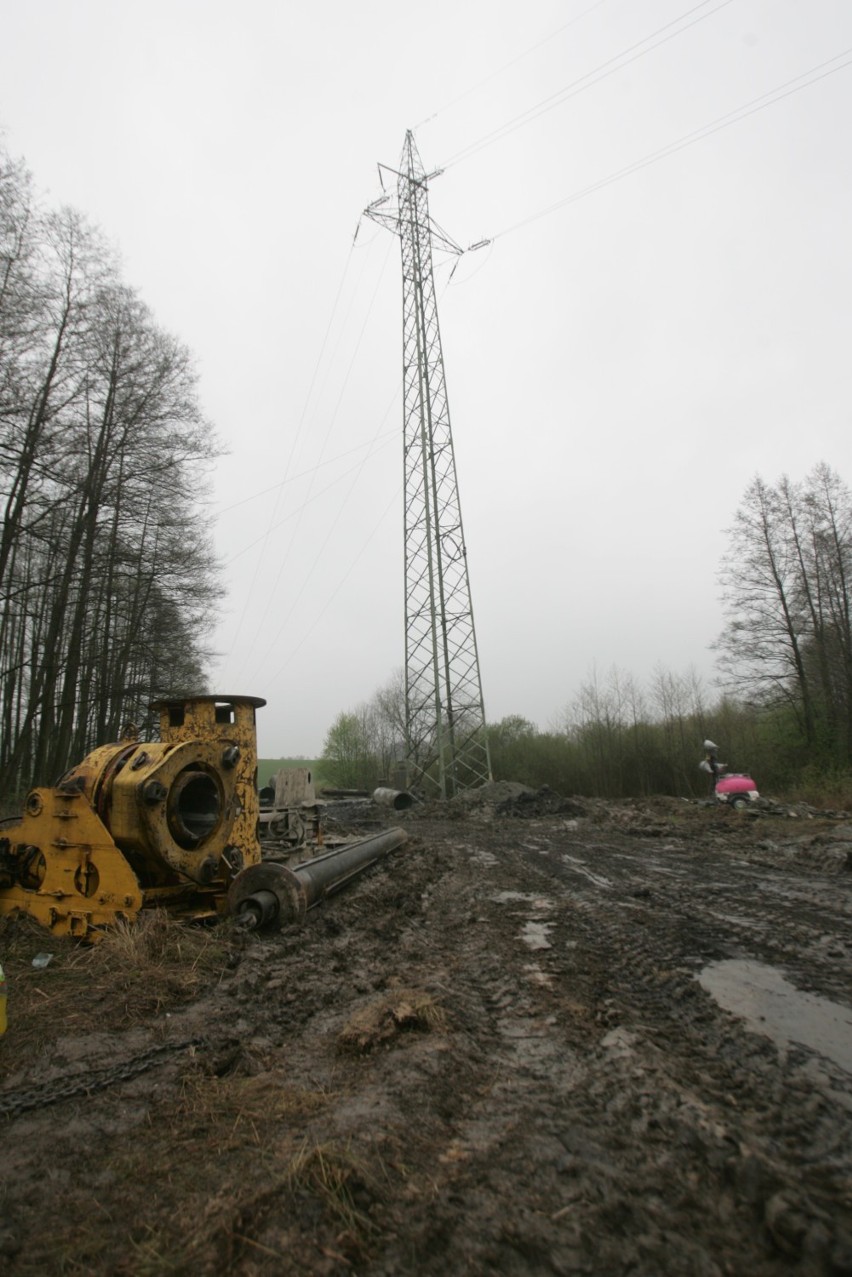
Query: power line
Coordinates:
[272,588]
[512,62]
[293,514]
[601,72]
[760,103]
[297,435]
[303,474]
[317,616]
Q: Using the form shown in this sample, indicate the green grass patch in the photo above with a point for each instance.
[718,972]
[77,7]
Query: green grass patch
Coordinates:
[267,767]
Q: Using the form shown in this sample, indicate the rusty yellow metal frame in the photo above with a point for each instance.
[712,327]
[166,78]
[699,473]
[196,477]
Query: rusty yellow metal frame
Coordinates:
[167,822]
[74,878]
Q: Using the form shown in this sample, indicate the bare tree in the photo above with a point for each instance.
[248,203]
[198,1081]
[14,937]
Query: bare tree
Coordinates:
[107,578]
[786,587]
[763,645]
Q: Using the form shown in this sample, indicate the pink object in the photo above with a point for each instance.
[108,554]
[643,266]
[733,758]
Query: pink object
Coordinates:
[737,784]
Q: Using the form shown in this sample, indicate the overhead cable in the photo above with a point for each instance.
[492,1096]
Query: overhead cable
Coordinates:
[760,103]
[512,62]
[601,72]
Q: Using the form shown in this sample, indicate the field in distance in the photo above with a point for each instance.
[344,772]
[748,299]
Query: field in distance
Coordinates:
[267,767]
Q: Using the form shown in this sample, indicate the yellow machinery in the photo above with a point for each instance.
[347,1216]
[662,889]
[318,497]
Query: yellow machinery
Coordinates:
[169,822]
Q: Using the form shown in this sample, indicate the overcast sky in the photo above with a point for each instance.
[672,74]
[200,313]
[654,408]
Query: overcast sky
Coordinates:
[619,367]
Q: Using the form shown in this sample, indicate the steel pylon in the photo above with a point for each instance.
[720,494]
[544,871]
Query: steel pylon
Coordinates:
[447,744]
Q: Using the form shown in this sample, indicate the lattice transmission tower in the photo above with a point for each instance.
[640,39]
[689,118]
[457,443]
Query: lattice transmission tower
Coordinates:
[446,742]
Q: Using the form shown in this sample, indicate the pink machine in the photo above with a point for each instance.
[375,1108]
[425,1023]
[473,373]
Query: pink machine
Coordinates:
[736,790]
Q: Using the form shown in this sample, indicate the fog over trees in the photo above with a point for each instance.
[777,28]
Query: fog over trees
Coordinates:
[106,570]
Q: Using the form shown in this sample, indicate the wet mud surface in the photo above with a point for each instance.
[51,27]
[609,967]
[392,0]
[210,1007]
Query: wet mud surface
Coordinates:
[540,1038]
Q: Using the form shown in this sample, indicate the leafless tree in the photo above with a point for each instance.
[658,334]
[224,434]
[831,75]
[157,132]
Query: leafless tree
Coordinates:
[107,578]
[786,590]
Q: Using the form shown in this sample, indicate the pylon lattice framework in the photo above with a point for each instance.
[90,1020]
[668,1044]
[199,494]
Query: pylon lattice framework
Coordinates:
[446,742]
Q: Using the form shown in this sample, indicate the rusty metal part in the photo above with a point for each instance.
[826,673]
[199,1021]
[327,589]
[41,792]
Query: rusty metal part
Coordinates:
[90,1080]
[166,822]
[288,808]
[398,799]
[170,807]
[231,722]
[63,867]
[267,897]
[293,787]
[271,896]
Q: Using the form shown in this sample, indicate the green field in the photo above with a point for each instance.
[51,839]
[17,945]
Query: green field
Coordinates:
[267,767]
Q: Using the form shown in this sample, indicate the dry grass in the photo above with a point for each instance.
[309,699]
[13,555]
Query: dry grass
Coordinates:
[324,1194]
[137,970]
[232,1112]
[281,1202]
[235,1152]
[340,1179]
[399,1011]
[150,964]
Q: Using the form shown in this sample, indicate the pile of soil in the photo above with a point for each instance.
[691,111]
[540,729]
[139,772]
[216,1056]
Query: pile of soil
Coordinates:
[528,1041]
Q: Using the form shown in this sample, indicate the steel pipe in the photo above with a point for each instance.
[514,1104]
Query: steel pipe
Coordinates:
[399,799]
[271,895]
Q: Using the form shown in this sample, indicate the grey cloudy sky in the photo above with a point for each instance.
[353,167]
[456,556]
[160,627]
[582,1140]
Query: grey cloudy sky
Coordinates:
[619,368]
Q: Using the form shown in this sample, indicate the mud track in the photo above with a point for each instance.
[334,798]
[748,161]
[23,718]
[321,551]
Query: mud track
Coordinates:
[523,1044]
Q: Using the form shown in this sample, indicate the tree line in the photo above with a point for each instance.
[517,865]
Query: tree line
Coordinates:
[615,739]
[107,576]
[787,590]
[781,709]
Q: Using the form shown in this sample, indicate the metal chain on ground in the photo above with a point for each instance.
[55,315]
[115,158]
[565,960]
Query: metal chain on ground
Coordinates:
[14,1102]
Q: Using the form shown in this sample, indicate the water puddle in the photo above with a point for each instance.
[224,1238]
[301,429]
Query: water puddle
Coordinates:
[535,975]
[737,920]
[579,867]
[534,935]
[772,1006]
[656,868]
[484,858]
[539,903]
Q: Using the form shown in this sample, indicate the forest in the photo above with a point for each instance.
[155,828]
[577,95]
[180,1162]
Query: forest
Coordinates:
[781,708]
[107,575]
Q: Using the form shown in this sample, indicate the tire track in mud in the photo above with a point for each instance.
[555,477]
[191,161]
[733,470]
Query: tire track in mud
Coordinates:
[588,1109]
[643,957]
[616,1106]
[488,1204]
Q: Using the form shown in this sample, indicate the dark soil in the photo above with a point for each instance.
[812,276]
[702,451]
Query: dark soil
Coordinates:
[497,1052]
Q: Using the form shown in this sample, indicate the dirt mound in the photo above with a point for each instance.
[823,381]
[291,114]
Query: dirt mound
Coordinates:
[492,794]
[541,802]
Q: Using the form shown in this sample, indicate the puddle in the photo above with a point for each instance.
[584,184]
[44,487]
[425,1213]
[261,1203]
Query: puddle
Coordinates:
[540,903]
[579,867]
[484,858]
[535,974]
[772,1006]
[737,920]
[534,935]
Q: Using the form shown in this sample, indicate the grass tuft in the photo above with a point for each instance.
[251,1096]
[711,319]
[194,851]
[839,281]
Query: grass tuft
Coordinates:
[399,1011]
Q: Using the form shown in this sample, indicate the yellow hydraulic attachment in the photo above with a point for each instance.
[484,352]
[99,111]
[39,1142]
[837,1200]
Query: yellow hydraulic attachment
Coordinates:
[170,822]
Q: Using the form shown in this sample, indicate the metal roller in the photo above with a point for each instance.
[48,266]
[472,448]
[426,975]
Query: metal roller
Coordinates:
[269,896]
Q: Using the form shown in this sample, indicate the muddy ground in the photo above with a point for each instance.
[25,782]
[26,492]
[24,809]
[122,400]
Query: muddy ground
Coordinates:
[545,1036]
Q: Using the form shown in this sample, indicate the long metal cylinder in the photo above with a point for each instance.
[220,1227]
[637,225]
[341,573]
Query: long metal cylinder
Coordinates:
[271,895]
[328,873]
[399,799]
